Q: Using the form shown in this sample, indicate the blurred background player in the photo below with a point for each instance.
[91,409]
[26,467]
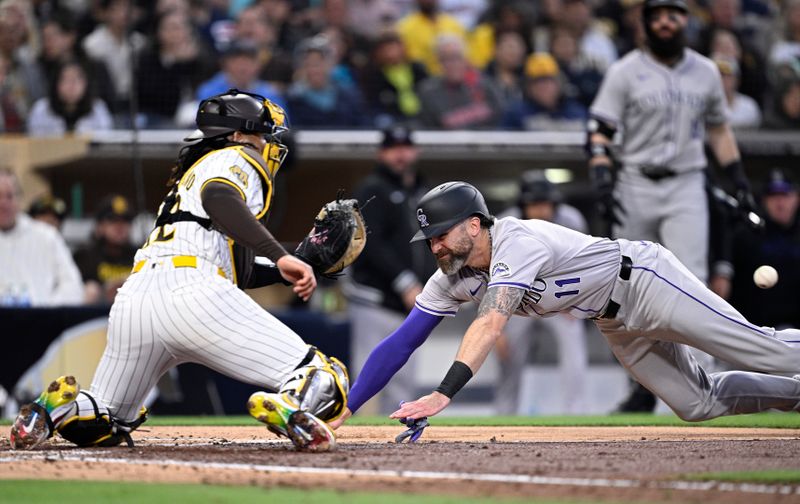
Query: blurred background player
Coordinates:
[106,261]
[390,271]
[540,199]
[665,99]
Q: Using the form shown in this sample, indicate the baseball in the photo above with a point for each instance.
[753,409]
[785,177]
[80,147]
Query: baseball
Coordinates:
[765,277]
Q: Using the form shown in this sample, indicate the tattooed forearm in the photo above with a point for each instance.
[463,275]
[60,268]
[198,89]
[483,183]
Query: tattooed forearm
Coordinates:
[501,299]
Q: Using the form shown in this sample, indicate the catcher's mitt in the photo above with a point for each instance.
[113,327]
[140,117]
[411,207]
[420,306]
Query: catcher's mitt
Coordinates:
[338,237]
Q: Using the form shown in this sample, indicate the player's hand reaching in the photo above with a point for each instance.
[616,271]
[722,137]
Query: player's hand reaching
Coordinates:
[425,406]
[299,274]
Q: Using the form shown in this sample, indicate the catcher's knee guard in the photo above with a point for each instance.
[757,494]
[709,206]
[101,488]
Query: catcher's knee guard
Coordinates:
[319,386]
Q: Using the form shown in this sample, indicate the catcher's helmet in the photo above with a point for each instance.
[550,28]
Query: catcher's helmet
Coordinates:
[236,110]
[534,187]
[446,205]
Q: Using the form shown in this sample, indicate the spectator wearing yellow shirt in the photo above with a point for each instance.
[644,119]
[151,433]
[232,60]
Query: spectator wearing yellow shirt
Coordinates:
[420,30]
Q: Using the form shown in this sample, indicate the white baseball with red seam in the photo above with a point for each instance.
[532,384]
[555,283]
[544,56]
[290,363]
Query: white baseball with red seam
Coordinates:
[765,277]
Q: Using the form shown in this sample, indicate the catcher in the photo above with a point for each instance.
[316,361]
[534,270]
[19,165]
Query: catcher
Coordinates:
[183,301]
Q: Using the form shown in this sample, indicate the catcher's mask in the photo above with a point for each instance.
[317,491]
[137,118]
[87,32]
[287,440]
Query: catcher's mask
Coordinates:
[249,113]
[446,205]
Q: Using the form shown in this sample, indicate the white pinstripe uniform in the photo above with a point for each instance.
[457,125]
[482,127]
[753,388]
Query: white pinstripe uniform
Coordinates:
[183,305]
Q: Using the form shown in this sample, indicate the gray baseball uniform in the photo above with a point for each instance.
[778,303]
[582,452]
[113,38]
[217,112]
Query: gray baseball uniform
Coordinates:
[569,335]
[646,304]
[662,112]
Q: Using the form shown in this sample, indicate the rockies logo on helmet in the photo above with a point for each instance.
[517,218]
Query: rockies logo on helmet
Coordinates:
[446,205]
[422,218]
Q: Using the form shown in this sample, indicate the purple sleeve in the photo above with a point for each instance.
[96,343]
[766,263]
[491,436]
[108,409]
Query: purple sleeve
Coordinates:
[390,355]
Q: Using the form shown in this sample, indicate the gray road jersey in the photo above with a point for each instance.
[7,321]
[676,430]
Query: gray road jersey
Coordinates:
[560,269]
[662,111]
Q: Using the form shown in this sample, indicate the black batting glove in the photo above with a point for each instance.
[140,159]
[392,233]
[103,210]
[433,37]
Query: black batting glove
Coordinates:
[744,194]
[603,182]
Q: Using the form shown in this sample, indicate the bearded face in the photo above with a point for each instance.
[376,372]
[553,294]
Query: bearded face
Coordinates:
[453,257]
[665,32]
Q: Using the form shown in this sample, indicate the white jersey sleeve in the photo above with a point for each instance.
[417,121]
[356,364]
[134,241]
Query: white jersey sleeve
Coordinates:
[443,295]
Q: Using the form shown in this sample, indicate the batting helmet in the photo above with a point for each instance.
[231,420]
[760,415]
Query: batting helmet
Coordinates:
[238,111]
[534,187]
[446,205]
[650,5]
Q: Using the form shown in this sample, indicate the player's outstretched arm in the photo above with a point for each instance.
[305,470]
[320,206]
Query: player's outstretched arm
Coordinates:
[494,311]
[390,355]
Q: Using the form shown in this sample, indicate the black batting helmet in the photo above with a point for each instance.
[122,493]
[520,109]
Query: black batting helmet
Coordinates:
[236,110]
[650,5]
[446,205]
[534,187]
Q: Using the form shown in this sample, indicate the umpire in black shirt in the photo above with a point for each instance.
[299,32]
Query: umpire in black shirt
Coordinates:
[390,272]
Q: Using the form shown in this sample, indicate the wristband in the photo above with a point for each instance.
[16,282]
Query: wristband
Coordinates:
[457,376]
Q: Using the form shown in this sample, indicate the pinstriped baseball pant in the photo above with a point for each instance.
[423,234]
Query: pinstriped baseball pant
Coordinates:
[168,316]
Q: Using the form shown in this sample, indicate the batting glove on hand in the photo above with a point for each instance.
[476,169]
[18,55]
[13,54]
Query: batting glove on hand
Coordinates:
[414,431]
[610,208]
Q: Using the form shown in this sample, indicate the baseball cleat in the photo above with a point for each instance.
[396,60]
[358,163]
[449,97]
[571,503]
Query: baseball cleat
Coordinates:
[283,417]
[33,424]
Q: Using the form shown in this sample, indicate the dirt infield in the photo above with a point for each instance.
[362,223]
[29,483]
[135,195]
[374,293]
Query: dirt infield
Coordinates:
[640,464]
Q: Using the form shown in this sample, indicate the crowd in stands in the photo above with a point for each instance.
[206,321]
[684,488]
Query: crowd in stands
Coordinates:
[85,65]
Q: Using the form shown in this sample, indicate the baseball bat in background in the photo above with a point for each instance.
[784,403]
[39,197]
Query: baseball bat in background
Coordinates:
[751,218]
